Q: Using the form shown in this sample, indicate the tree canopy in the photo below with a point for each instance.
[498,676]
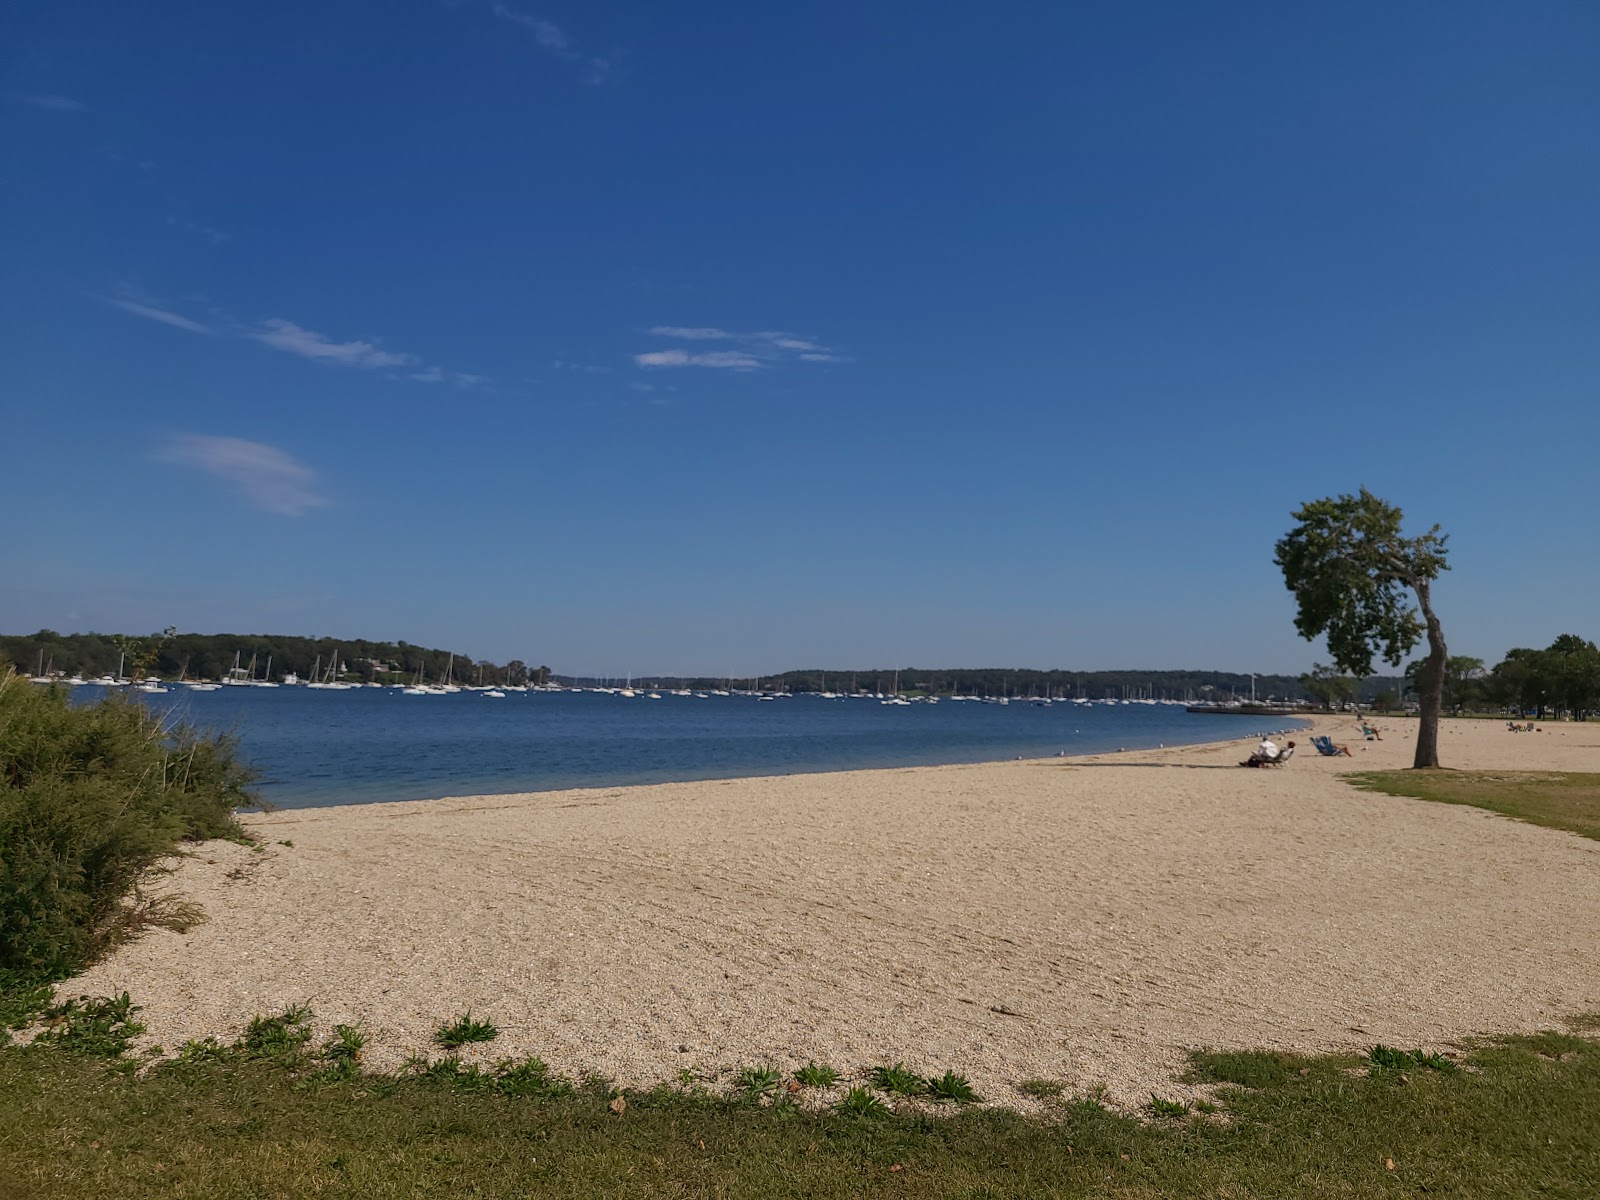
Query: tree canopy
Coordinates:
[1358,580]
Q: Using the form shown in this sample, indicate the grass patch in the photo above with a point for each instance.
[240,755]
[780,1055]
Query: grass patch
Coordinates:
[1246,1068]
[1167,1108]
[756,1082]
[1042,1089]
[226,1123]
[897,1080]
[950,1088]
[812,1075]
[464,1030]
[98,1026]
[1567,800]
[1387,1058]
[281,1037]
[861,1102]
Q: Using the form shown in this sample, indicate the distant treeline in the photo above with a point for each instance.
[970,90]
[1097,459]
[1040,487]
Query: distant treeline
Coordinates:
[1021,682]
[210,656]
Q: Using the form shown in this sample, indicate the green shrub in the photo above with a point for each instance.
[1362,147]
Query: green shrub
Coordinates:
[91,798]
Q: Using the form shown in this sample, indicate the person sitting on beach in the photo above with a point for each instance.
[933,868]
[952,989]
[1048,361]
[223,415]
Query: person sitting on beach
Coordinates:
[1268,755]
[1370,732]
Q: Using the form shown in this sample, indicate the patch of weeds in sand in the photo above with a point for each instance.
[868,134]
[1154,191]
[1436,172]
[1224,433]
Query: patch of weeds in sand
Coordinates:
[1207,1107]
[341,1054]
[1387,1058]
[1244,1068]
[281,1037]
[452,1072]
[1167,1108]
[896,1080]
[465,1029]
[286,842]
[1042,1089]
[861,1102]
[1092,1104]
[815,1075]
[21,1004]
[101,1026]
[206,1050]
[530,1077]
[950,1088]
[758,1081]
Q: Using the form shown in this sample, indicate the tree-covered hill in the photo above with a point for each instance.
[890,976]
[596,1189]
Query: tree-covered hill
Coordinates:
[209,656]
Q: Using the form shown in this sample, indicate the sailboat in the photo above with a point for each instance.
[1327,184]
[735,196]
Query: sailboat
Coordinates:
[266,676]
[895,697]
[419,688]
[195,685]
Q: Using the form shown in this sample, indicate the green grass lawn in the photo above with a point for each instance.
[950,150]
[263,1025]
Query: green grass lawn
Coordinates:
[1567,800]
[1518,1118]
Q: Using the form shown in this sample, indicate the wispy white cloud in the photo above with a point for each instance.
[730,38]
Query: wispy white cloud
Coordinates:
[692,333]
[552,39]
[751,351]
[50,103]
[141,306]
[264,475]
[547,33]
[566,364]
[291,338]
[210,233]
[732,360]
[297,340]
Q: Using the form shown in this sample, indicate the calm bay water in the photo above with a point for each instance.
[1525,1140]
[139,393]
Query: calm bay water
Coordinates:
[346,747]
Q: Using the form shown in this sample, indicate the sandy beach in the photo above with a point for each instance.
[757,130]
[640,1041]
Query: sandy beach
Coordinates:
[1087,920]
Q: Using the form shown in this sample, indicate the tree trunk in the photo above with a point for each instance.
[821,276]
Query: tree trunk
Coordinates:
[1430,696]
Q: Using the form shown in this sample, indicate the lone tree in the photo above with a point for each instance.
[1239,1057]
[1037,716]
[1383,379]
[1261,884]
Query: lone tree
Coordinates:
[1350,571]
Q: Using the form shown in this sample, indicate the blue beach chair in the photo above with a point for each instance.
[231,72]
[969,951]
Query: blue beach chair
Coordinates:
[1328,748]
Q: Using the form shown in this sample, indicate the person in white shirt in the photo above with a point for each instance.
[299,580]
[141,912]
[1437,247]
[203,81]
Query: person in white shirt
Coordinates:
[1268,749]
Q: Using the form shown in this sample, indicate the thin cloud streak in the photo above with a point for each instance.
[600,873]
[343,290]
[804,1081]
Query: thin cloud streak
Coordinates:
[269,478]
[552,39]
[152,313]
[293,339]
[735,360]
[752,351]
[690,333]
[50,103]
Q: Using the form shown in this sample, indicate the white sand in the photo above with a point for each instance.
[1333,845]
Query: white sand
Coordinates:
[1087,920]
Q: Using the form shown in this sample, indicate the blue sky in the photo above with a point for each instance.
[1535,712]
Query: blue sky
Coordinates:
[730,337]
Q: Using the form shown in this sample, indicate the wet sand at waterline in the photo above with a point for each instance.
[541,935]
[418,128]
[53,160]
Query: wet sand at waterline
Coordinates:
[1087,920]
